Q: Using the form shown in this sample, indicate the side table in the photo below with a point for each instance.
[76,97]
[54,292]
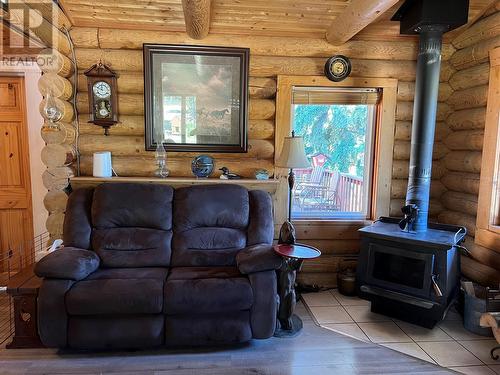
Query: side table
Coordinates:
[293,255]
[23,288]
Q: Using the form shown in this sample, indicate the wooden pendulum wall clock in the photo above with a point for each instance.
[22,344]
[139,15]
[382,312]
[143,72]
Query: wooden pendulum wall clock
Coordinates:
[103,101]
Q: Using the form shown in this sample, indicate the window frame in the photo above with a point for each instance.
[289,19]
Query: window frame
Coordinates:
[488,209]
[383,141]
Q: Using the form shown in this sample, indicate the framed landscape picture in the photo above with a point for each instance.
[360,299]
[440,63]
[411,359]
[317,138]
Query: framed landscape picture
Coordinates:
[196,98]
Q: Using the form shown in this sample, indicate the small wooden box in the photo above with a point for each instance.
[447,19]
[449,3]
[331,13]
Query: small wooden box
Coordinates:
[23,288]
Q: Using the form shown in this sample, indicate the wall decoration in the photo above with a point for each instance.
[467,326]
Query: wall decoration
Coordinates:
[196,98]
[202,166]
[227,175]
[103,107]
[337,68]
[261,174]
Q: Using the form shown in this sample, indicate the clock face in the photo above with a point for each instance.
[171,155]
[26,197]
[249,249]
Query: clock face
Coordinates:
[101,89]
[337,68]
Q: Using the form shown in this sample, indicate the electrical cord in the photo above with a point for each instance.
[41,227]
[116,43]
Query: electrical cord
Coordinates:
[73,100]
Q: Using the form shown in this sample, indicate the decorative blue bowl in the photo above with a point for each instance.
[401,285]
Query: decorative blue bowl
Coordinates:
[261,174]
[202,166]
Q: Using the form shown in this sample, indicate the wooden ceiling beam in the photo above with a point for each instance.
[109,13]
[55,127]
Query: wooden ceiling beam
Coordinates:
[354,18]
[197,17]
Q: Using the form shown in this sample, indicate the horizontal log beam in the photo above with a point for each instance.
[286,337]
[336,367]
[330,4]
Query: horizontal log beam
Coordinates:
[461,202]
[133,104]
[403,131]
[66,133]
[125,145]
[179,167]
[399,188]
[402,150]
[55,201]
[400,169]
[467,119]
[57,178]
[395,205]
[465,140]
[462,182]
[404,111]
[483,255]
[260,45]
[486,28]
[133,83]
[474,76]
[472,97]
[58,86]
[463,161]
[87,37]
[52,61]
[57,155]
[266,66]
[479,273]
[459,218]
[406,91]
[475,54]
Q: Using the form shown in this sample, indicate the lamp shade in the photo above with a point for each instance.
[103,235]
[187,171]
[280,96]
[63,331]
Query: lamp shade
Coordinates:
[293,154]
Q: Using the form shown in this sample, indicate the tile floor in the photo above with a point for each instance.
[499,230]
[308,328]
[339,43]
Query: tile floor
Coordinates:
[448,344]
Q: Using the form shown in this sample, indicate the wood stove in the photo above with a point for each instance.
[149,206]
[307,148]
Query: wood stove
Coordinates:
[410,276]
[408,268]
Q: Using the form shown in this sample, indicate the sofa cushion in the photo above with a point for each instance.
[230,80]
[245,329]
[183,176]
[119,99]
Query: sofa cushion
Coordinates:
[210,225]
[132,205]
[192,273]
[223,206]
[124,332]
[212,295]
[207,247]
[210,329]
[132,247]
[77,227]
[132,224]
[115,296]
[129,273]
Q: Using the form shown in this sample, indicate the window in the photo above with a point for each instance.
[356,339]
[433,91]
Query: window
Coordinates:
[338,126]
[316,106]
[488,212]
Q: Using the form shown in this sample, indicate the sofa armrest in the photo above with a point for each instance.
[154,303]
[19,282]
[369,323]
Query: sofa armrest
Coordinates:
[69,263]
[257,258]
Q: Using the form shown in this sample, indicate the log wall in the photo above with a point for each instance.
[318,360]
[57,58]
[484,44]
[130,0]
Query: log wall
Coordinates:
[57,67]
[269,57]
[469,84]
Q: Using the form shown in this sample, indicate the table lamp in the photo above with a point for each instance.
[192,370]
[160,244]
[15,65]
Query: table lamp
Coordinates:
[292,156]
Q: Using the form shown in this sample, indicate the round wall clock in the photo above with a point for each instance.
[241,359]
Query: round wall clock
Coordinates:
[337,68]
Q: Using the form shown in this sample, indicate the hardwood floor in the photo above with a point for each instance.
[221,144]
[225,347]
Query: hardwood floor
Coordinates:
[315,351]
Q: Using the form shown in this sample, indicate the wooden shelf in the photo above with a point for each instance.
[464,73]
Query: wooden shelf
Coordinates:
[270,185]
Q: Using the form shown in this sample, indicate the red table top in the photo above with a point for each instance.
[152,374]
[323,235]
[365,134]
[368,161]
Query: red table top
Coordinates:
[298,251]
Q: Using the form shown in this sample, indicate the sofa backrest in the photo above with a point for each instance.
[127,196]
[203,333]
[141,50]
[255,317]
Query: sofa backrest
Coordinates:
[142,225]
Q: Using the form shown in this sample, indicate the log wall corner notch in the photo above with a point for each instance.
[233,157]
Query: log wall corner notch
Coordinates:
[197,17]
[355,17]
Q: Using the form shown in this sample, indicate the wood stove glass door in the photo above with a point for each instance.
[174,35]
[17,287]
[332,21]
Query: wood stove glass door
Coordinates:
[400,270]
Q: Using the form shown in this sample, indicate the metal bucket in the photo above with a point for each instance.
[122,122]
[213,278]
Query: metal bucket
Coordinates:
[474,306]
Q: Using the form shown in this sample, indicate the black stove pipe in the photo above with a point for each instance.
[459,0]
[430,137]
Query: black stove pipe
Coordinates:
[423,126]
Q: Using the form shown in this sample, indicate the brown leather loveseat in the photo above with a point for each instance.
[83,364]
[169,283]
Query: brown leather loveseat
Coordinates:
[145,265]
